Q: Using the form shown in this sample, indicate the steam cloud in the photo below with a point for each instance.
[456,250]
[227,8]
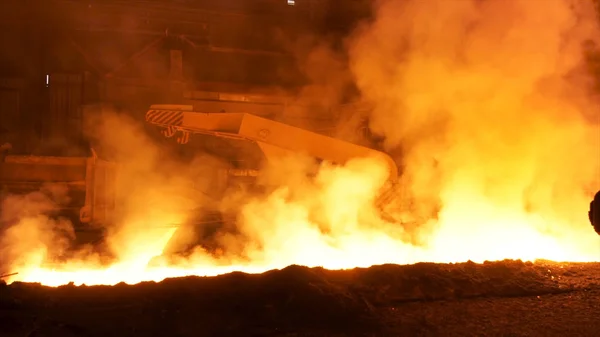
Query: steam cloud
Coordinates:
[491,104]
[28,234]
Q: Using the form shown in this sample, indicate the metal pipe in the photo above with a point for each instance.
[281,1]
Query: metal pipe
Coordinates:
[8,275]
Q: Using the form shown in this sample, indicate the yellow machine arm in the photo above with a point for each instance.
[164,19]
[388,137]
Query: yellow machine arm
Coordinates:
[274,138]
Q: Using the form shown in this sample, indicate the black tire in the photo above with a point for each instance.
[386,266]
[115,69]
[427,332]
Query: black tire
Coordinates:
[594,213]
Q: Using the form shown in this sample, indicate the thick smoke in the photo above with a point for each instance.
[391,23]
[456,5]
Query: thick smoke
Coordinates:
[156,189]
[490,102]
[315,215]
[30,235]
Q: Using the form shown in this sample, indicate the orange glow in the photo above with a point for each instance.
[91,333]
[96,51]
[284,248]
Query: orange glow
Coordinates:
[490,102]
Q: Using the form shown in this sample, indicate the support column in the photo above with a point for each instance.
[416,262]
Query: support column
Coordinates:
[176,73]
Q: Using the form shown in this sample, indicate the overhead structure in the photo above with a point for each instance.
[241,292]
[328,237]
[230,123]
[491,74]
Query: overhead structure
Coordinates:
[275,139]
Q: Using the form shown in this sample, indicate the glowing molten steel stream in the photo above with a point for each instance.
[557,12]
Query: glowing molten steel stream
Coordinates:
[499,131]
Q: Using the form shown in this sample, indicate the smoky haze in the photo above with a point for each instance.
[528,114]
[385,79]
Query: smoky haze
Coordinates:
[156,188]
[29,235]
[491,103]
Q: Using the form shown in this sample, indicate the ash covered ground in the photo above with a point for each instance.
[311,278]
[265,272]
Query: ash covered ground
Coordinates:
[507,298]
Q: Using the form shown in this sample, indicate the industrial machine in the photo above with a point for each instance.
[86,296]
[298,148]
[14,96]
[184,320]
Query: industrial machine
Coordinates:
[247,141]
[243,140]
[273,139]
[82,189]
